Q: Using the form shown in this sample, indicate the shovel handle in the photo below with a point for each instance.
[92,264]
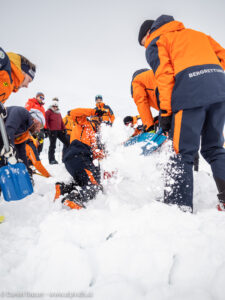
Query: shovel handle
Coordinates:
[4,134]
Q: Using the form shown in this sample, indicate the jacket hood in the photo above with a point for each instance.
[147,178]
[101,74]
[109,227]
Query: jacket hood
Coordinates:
[163,25]
[160,21]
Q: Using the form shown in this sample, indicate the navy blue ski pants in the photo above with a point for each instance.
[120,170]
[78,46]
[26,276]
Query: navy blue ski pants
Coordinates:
[190,128]
[85,175]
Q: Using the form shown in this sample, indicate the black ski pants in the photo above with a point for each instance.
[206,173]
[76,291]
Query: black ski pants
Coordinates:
[53,136]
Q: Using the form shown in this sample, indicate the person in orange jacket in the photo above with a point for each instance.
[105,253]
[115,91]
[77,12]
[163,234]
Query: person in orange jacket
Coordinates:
[135,122]
[108,115]
[189,69]
[144,92]
[38,103]
[78,160]
[16,72]
[69,124]
[33,156]
[19,124]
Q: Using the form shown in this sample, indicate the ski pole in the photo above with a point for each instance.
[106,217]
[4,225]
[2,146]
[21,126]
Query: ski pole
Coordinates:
[4,135]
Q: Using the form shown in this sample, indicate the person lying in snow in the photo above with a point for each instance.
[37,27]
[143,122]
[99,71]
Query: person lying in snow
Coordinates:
[78,160]
[136,123]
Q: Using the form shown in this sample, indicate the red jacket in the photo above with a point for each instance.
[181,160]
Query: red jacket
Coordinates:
[54,120]
[33,103]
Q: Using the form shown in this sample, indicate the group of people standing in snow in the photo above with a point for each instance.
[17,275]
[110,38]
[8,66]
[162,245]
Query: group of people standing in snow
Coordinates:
[186,85]
[26,128]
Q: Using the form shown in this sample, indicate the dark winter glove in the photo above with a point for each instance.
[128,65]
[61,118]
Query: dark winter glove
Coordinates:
[140,127]
[10,155]
[165,123]
[99,112]
[46,132]
[3,111]
[40,137]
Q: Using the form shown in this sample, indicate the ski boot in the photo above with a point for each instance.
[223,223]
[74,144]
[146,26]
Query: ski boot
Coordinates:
[73,201]
[61,189]
[221,195]
[221,207]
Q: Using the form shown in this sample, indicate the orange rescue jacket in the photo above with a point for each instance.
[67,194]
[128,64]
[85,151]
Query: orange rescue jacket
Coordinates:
[188,66]
[85,131]
[108,115]
[69,124]
[143,90]
[11,76]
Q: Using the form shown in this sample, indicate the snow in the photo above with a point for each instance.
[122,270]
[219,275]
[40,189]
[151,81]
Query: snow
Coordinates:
[127,244]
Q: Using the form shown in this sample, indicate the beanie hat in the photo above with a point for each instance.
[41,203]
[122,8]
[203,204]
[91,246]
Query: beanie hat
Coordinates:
[40,94]
[38,115]
[98,97]
[55,99]
[27,67]
[127,120]
[22,63]
[144,29]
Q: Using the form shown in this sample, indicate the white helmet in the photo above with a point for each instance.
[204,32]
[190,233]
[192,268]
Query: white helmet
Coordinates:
[38,115]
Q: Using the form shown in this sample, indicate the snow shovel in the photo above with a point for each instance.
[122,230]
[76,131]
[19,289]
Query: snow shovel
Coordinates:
[152,141]
[15,181]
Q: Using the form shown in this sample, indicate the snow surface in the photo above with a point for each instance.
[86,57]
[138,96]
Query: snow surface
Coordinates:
[126,245]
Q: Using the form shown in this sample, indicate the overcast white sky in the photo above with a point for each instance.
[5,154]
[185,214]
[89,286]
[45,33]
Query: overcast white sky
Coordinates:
[88,47]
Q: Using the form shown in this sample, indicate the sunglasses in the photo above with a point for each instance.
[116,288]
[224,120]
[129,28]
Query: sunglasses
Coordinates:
[42,98]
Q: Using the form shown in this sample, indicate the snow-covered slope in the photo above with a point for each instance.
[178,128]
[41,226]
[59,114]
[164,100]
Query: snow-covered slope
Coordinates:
[126,245]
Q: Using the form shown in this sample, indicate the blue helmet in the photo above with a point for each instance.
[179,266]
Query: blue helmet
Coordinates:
[98,97]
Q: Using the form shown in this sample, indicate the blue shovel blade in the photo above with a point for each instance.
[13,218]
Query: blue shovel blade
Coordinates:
[154,144]
[143,137]
[15,182]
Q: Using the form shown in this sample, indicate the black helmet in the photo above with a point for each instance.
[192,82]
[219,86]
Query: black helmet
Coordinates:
[127,120]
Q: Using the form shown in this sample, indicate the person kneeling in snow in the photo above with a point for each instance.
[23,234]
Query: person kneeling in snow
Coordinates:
[19,124]
[78,160]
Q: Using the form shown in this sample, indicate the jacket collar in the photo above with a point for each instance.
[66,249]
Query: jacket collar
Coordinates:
[36,101]
[17,77]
